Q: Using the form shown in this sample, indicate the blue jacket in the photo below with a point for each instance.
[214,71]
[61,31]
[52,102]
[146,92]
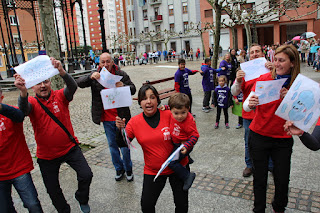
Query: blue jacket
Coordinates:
[208,77]
[181,79]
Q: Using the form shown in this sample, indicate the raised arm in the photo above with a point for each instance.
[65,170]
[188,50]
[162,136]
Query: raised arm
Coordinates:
[12,113]
[236,87]
[23,103]
[71,85]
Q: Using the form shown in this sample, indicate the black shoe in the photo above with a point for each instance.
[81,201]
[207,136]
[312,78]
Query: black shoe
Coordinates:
[119,175]
[129,176]
[191,161]
[188,182]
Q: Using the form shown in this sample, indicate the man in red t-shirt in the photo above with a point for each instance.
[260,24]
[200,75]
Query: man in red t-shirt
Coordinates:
[16,162]
[54,146]
[108,117]
[240,85]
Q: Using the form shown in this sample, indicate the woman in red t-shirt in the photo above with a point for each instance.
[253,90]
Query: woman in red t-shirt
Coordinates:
[151,129]
[267,136]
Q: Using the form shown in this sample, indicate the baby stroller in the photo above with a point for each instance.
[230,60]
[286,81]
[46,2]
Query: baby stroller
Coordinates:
[142,61]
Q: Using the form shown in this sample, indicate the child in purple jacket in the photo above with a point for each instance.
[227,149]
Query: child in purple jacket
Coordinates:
[181,79]
[208,83]
[222,100]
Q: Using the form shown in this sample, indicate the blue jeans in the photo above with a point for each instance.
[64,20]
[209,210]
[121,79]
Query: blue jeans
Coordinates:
[119,164]
[247,158]
[26,190]
[246,124]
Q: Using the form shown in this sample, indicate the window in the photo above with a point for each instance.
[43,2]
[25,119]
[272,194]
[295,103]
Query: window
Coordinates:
[158,29]
[145,14]
[170,10]
[13,20]
[208,13]
[131,31]
[130,16]
[291,5]
[146,29]
[185,26]
[156,12]
[184,7]
[16,38]
[172,28]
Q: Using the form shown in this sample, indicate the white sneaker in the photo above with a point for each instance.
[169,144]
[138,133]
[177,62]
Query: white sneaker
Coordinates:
[205,109]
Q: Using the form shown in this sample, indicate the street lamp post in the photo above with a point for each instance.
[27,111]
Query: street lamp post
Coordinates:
[87,65]
[103,32]
[180,36]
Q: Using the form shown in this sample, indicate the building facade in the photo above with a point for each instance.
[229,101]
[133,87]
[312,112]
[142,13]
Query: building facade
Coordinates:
[163,25]
[273,29]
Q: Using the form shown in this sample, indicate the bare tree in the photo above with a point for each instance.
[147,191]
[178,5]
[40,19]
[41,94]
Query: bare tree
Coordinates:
[167,35]
[200,30]
[50,37]
[217,5]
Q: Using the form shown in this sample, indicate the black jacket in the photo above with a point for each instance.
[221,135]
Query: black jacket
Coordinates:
[96,87]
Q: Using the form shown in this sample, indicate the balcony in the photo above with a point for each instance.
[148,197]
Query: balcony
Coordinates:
[155,2]
[156,19]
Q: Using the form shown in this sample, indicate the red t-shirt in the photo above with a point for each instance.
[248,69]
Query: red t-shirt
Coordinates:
[156,142]
[15,158]
[318,123]
[109,114]
[52,141]
[265,122]
[184,131]
[246,87]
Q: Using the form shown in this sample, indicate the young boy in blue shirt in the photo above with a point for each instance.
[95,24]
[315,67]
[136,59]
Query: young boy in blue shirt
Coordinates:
[208,84]
[181,79]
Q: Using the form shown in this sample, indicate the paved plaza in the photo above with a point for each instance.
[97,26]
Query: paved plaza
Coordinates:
[219,159]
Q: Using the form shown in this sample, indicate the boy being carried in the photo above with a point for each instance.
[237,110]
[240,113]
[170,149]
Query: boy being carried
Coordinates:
[183,130]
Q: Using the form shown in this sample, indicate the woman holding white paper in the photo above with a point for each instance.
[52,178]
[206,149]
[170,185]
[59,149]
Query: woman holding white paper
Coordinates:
[267,137]
[151,129]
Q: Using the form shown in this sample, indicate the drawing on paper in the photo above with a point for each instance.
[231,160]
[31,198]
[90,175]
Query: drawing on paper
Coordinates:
[269,91]
[300,108]
[112,98]
[301,104]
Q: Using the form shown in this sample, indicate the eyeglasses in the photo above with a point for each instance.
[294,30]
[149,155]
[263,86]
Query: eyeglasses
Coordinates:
[44,82]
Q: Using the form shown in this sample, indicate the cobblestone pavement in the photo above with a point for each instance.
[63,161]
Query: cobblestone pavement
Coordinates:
[218,163]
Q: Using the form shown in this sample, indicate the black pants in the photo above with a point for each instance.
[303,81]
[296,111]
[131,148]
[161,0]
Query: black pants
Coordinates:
[180,171]
[50,174]
[152,190]
[280,150]
[225,112]
[206,98]
[240,120]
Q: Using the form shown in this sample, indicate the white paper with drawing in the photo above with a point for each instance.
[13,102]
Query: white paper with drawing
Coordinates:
[301,104]
[269,91]
[107,79]
[36,70]
[254,68]
[116,97]
[174,156]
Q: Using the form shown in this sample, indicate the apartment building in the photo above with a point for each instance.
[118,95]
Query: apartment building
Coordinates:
[149,20]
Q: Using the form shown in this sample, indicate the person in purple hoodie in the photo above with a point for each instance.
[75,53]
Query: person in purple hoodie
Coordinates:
[208,84]
[222,100]
[226,62]
[181,79]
